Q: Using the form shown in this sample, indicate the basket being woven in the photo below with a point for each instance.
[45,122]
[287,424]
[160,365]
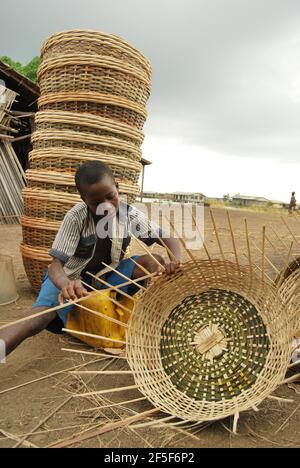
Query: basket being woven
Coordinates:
[208,343]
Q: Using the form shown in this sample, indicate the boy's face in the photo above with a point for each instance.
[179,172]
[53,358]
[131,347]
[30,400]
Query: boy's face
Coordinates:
[104,191]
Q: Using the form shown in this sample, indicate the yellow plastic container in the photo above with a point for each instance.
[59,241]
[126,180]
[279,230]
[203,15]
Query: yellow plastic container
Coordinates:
[83,321]
[8,288]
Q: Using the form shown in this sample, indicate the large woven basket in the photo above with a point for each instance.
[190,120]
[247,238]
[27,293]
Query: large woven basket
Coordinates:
[101,75]
[103,105]
[49,205]
[59,120]
[68,160]
[38,232]
[36,261]
[94,43]
[61,187]
[85,141]
[210,342]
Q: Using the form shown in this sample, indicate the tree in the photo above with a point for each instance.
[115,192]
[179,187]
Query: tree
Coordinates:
[29,70]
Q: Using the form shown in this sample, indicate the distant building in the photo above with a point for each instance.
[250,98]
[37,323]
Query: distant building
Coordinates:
[188,197]
[177,197]
[248,201]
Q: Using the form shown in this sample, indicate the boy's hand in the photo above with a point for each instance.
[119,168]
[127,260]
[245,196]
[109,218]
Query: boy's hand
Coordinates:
[72,290]
[172,267]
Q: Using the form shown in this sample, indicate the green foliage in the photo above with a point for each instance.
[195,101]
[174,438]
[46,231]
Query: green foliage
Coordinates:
[29,70]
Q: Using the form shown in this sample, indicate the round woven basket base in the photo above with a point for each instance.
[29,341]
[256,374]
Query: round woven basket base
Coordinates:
[241,349]
[209,342]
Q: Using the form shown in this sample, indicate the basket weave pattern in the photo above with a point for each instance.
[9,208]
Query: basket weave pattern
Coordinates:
[183,321]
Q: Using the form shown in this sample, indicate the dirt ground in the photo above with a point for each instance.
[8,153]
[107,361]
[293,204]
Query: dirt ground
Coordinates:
[47,409]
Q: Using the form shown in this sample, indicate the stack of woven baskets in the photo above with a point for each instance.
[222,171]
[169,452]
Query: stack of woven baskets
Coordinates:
[94,89]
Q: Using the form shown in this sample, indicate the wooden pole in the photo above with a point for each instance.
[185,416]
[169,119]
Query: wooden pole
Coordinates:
[60,307]
[115,288]
[91,353]
[90,335]
[263,260]
[233,242]
[248,246]
[147,251]
[105,392]
[111,299]
[99,314]
[291,232]
[217,236]
[105,429]
[128,279]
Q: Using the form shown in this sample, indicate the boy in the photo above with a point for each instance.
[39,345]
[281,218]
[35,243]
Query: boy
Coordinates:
[293,203]
[84,244]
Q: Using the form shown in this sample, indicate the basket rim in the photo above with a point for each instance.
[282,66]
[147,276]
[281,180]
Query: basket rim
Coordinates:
[89,120]
[95,98]
[96,36]
[93,61]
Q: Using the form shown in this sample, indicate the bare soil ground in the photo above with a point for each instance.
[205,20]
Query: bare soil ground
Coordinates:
[24,410]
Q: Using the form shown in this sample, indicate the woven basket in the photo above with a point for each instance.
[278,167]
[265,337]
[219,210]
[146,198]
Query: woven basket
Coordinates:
[53,205]
[101,75]
[49,205]
[64,182]
[85,141]
[208,343]
[36,262]
[68,160]
[94,43]
[110,107]
[290,292]
[39,232]
[58,120]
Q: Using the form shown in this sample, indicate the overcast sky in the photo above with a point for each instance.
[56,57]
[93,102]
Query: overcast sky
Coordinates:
[224,115]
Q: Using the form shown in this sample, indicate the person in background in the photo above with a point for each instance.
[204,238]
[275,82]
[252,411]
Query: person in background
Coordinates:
[293,203]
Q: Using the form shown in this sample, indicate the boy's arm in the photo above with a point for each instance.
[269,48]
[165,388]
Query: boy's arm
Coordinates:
[69,289]
[175,247]
[150,233]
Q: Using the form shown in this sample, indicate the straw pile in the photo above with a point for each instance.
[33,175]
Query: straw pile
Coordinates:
[12,177]
[94,89]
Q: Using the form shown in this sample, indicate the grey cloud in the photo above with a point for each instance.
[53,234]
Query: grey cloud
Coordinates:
[220,66]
